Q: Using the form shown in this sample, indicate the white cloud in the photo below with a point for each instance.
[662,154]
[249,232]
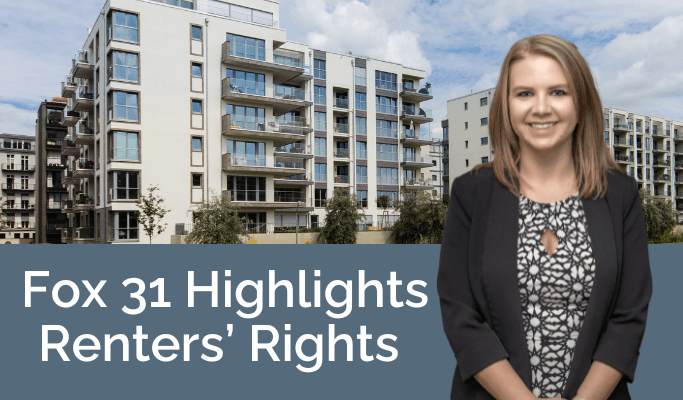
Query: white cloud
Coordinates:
[17,121]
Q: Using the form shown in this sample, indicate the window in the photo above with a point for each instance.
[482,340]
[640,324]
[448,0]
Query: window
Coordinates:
[319,69]
[361,126]
[320,147]
[361,174]
[434,178]
[483,101]
[647,143]
[125,146]
[320,197]
[393,196]
[360,101]
[249,118]
[386,105]
[123,66]
[197,144]
[362,197]
[197,70]
[484,160]
[386,128]
[361,150]
[467,143]
[607,137]
[484,140]
[360,75]
[385,80]
[196,32]
[123,106]
[467,163]
[484,121]
[445,133]
[125,225]
[387,176]
[465,124]
[319,96]
[197,181]
[320,172]
[123,26]
[247,153]
[241,46]
[247,188]
[320,121]
[465,106]
[126,185]
[196,107]
[387,152]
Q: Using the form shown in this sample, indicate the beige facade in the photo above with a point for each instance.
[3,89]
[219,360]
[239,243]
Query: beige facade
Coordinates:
[207,98]
[17,199]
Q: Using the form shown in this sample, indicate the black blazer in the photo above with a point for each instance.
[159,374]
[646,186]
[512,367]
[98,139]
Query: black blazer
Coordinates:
[480,301]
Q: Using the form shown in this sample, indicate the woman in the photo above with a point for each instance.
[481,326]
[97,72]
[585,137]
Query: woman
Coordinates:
[544,276]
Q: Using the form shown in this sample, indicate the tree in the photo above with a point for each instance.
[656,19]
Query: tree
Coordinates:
[383,202]
[216,222]
[660,217]
[344,214]
[151,213]
[421,218]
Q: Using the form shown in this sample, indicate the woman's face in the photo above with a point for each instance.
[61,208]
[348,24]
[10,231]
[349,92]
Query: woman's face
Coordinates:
[541,105]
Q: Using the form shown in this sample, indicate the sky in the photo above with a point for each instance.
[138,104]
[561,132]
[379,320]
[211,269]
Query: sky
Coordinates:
[634,48]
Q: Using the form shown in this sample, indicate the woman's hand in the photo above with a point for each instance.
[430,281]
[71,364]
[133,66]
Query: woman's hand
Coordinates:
[502,382]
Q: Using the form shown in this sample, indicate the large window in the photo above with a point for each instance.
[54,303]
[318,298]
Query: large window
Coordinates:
[123,66]
[360,75]
[393,196]
[445,133]
[319,69]
[251,118]
[126,185]
[386,105]
[385,80]
[247,153]
[386,128]
[123,106]
[320,121]
[124,146]
[320,147]
[362,197]
[361,150]
[320,172]
[247,188]
[387,152]
[361,174]
[320,197]
[361,126]
[387,176]
[241,46]
[123,26]
[360,101]
[125,225]
[319,95]
[246,82]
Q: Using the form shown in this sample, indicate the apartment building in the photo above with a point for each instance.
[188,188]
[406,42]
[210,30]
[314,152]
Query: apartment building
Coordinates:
[52,124]
[438,151]
[17,174]
[207,98]
[648,148]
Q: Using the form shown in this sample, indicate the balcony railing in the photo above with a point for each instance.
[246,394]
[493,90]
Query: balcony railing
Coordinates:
[85,165]
[385,109]
[387,180]
[662,178]
[83,128]
[423,90]
[267,196]
[622,158]
[419,112]
[294,148]
[289,197]
[226,10]
[250,160]
[417,182]
[341,179]
[288,59]
[190,5]
[413,158]
[341,103]
[386,156]
[341,153]
[341,128]
[263,125]
[18,206]
[267,90]
[16,225]
[84,233]
[18,186]
[19,167]
[663,163]
[621,125]
[280,163]
[84,92]
[300,177]
[54,205]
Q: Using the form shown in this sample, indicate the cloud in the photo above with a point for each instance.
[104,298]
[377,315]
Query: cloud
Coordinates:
[17,121]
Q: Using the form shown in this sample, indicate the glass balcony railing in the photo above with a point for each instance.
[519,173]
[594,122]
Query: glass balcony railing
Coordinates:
[280,163]
[288,197]
[386,156]
[423,90]
[300,177]
[419,112]
[261,124]
[341,128]
[240,13]
[247,160]
[386,132]
[82,56]
[267,90]
[341,153]
[387,180]
[341,179]
[385,109]
[84,92]
[288,59]
[178,3]
[341,103]
[294,148]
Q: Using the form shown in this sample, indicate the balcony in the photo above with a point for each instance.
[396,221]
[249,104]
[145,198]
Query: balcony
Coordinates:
[411,138]
[283,99]
[416,115]
[414,95]
[19,187]
[69,86]
[415,162]
[658,132]
[662,179]
[677,136]
[71,118]
[20,225]
[417,184]
[293,124]
[55,206]
[269,199]
[622,143]
[660,149]
[21,206]
[342,179]
[53,143]
[340,129]
[341,153]
[54,117]
[283,64]
[294,180]
[69,178]
[254,163]
[259,128]
[622,159]
[83,202]
[84,99]
[18,167]
[84,169]
[661,163]
[622,127]
[342,104]
[84,234]
[297,150]
[83,134]
[67,205]
[387,180]
[81,66]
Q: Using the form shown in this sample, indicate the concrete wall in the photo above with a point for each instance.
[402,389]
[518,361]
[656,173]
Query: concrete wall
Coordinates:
[377,237]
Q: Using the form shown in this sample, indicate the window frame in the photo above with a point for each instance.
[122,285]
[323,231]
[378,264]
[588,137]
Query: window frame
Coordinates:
[113,148]
[130,217]
[114,187]
[111,66]
[111,25]
[112,106]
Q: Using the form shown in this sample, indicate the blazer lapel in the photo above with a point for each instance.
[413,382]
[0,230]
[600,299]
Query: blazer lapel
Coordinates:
[499,270]
[602,238]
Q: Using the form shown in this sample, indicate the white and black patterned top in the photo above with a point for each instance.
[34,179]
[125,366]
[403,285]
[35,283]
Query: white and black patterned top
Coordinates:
[554,289]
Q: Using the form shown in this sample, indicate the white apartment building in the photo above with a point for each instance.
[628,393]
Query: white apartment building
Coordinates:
[648,148]
[17,174]
[206,98]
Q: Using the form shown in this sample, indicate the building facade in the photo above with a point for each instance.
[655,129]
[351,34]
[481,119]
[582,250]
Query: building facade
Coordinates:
[648,148]
[207,98]
[18,177]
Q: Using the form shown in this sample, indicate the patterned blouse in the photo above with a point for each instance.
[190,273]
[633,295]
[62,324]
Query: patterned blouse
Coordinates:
[554,289]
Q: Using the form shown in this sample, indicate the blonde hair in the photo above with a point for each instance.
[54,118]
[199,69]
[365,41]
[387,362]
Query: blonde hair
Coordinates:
[592,158]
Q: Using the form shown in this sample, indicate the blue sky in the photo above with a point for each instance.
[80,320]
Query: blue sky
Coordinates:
[633,47]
